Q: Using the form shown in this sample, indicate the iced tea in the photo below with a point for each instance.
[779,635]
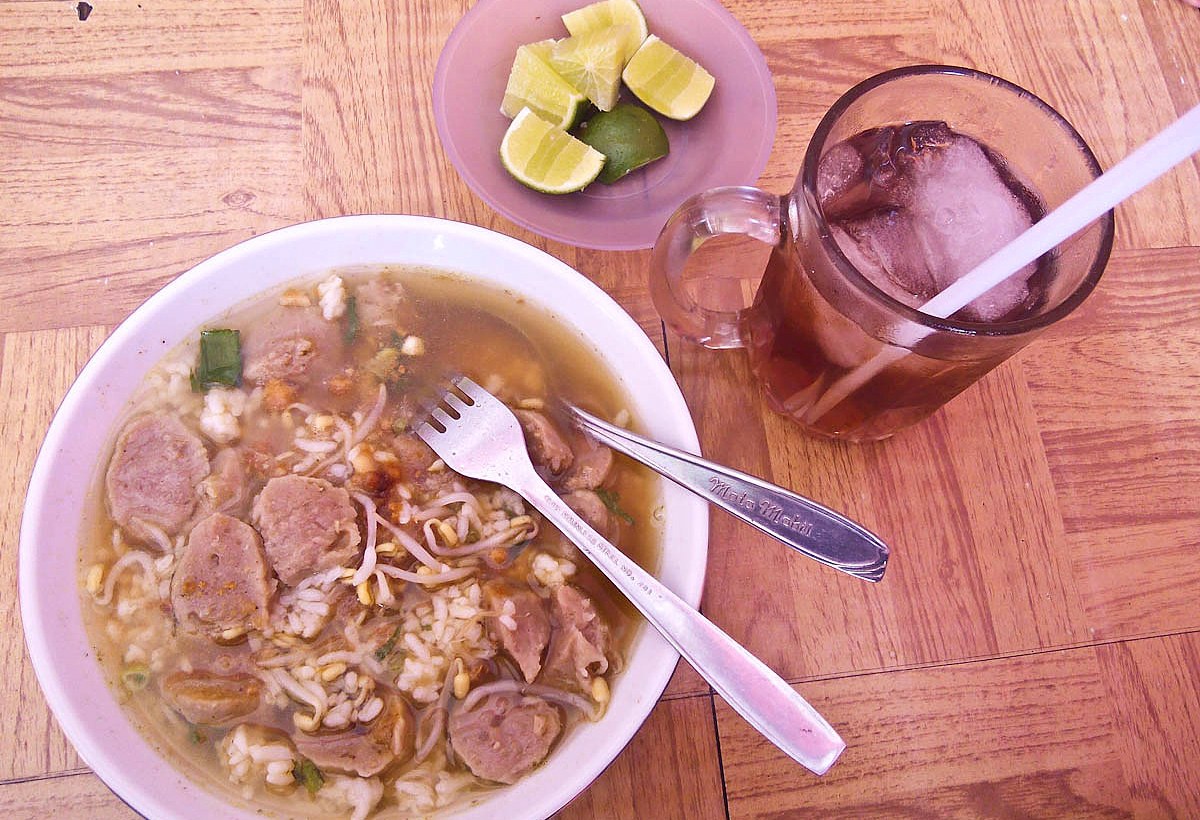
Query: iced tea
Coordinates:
[912,208]
[911,179]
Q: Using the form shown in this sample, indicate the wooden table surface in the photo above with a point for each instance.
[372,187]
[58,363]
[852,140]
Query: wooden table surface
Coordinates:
[1035,648]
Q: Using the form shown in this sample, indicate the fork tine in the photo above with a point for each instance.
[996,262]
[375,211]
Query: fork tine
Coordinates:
[425,430]
[454,402]
[442,417]
[469,387]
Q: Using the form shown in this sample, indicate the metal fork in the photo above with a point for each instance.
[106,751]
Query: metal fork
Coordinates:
[476,435]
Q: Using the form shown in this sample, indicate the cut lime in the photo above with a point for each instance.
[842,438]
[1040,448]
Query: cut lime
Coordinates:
[533,84]
[667,81]
[592,63]
[542,156]
[542,50]
[607,13]
[628,136]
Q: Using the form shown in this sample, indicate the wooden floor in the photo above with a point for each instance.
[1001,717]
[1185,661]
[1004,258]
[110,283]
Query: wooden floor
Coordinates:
[1035,648]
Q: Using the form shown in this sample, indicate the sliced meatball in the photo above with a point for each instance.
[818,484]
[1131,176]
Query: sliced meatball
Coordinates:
[588,505]
[307,525]
[227,488]
[212,700]
[414,454]
[580,643]
[592,464]
[547,446]
[520,625]
[221,581]
[153,475]
[383,307]
[505,736]
[363,750]
[287,344]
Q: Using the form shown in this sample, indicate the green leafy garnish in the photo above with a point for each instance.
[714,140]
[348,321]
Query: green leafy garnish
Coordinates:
[306,773]
[135,677]
[350,332]
[196,736]
[220,363]
[386,648]
[611,500]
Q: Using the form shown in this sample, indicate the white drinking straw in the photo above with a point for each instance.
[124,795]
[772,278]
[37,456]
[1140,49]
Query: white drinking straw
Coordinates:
[1160,154]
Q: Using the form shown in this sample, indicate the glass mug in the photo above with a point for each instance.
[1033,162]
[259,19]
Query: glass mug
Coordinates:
[831,350]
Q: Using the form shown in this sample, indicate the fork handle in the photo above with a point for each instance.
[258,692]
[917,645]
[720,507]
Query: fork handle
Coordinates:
[806,526]
[747,684]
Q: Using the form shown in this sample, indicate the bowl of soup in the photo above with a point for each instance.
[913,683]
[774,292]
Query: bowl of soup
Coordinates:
[248,588]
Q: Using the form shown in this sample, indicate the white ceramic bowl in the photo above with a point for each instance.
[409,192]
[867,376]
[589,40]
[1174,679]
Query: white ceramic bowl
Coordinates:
[68,465]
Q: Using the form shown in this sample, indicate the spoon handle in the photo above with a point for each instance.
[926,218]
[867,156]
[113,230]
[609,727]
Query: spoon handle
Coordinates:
[810,528]
[747,684]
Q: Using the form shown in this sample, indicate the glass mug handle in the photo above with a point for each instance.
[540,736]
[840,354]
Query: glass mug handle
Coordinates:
[718,211]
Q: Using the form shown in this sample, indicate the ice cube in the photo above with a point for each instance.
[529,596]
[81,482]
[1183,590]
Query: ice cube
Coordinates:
[929,205]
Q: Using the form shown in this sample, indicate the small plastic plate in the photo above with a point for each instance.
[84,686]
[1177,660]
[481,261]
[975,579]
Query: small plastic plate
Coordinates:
[727,143]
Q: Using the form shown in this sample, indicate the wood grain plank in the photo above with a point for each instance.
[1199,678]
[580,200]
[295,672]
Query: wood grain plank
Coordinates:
[45,38]
[38,368]
[1155,687]
[670,769]
[369,136]
[1114,389]
[72,795]
[115,185]
[1137,579]
[1174,29]
[1021,737]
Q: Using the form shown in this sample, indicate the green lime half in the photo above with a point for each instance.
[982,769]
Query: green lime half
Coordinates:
[628,135]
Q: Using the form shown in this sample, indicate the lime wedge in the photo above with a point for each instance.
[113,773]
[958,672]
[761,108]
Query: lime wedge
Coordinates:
[592,63]
[667,81]
[533,84]
[628,136]
[542,50]
[607,13]
[542,156]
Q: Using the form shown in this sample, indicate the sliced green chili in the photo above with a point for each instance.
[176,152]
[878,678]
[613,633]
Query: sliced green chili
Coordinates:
[220,363]
[611,500]
[306,773]
[388,645]
[350,331]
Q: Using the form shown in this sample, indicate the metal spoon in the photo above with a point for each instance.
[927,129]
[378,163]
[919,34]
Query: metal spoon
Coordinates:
[810,528]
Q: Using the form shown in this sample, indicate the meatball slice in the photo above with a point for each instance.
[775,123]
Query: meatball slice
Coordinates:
[307,526]
[364,750]
[547,446]
[287,345]
[520,624]
[212,700]
[153,476]
[506,736]
[221,581]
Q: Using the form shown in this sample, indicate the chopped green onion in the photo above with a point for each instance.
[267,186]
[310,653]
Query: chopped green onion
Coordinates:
[350,332]
[196,736]
[220,363]
[611,500]
[306,773]
[388,645]
[135,677]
